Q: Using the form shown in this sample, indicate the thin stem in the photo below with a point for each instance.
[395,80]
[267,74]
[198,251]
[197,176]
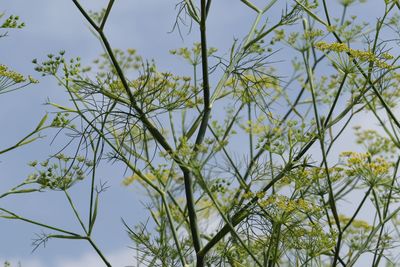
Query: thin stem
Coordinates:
[15,216]
[108,10]
[71,203]
[252,6]
[98,252]
[357,210]
[250,130]
[174,234]
[25,140]
[335,100]
[323,151]
[86,15]
[206,83]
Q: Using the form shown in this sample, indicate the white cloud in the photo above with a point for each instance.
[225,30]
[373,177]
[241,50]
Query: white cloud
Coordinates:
[15,263]
[119,258]
[123,257]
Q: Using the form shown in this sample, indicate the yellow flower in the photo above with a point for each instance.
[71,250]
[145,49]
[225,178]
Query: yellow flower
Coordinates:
[364,56]
[14,76]
[129,180]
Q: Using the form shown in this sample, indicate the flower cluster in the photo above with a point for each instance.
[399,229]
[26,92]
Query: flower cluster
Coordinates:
[193,56]
[9,78]
[159,91]
[374,170]
[374,143]
[357,232]
[287,205]
[61,120]
[355,224]
[52,65]
[297,40]
[347,3]
[363,56]
[15,77]
[249,86]
[61,175]
[282,207]
[311,238]
[159,175]
[12,22]
[128,61]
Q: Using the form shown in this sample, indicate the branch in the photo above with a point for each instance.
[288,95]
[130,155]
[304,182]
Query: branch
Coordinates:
[108,10]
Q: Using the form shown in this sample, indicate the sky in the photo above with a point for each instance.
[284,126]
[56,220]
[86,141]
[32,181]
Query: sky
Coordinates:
[54,25]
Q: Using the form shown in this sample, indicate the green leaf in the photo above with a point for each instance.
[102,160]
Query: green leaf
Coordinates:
[42,121]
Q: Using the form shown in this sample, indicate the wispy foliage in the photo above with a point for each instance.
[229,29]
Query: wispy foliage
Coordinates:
[240,161]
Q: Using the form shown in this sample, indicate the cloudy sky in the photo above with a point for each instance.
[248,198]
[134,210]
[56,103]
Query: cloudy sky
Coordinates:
[54,25]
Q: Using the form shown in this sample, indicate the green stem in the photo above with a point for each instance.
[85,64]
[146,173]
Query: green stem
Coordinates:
[75,211]
[99,252]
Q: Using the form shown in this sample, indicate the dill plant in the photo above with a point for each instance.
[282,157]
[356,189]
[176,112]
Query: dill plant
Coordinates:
[280,200]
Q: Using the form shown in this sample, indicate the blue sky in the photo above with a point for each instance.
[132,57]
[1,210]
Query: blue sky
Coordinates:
[54,25]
